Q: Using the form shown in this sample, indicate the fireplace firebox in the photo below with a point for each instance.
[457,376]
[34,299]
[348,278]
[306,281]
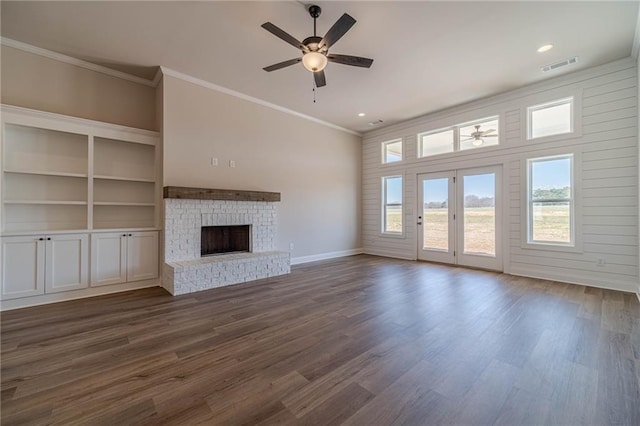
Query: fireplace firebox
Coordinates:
[225,239]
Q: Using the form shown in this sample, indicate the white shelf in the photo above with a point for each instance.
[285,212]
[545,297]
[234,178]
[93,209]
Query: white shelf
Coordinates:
[124,159]
[124,178]
[75,178]
[45,150]
[47,202]
[115,203]
[45,173]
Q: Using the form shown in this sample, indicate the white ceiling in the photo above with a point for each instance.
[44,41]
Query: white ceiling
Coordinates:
[427,55]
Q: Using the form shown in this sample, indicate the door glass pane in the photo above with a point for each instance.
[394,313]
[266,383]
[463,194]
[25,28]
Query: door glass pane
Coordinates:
[480,214]
[435,214]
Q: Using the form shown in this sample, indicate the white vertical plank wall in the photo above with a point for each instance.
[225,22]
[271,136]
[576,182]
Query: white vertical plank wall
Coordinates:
[606,146]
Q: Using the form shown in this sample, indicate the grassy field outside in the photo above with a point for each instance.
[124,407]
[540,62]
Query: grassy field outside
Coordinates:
[550,223]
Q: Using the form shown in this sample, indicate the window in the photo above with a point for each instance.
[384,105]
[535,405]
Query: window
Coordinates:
[550,205]
[470,135]
[434,143]
[392,151]
[479,134]
[551,118]
[392,205]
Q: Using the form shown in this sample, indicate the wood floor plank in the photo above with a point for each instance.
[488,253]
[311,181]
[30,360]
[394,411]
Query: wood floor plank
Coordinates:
[356,340]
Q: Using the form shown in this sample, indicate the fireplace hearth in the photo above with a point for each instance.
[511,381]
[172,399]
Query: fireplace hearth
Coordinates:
[216,240]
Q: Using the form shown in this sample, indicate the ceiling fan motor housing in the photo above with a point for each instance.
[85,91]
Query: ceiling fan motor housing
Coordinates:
[312,43]
[314,11]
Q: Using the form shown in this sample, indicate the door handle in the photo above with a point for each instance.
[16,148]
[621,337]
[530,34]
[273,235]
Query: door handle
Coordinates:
[419,223]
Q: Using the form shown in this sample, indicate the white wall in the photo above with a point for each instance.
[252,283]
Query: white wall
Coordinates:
[316,168]
[606,142]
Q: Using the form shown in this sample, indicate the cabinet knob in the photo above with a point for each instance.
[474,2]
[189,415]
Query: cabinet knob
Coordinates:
[129,234]
[49,239]
[124,235]
[41,239]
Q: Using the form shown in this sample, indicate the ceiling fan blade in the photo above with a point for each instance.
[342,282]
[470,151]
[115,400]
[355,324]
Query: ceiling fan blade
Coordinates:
[467,140]
[282,64]
[488,131]
[283,35]
[319,78]
[338,29]
[355,61]
[489,136]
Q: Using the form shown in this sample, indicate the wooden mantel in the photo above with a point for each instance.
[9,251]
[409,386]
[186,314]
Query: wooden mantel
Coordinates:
[218,194]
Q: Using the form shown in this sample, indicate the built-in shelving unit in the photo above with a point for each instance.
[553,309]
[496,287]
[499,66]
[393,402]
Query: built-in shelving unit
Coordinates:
[71,175]
[67,183]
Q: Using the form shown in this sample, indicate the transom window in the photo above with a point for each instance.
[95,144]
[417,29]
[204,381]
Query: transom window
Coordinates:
[551,118]
[392,151]
[550,207]
[434,143]
[470,135]
[479,134]
[392,205]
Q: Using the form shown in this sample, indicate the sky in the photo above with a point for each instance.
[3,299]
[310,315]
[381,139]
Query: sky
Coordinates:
[480,185]
[553,173]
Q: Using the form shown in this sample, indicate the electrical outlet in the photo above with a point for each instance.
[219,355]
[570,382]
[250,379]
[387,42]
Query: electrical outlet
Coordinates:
[600,262]
[232,163]
[214,161]
[290,246]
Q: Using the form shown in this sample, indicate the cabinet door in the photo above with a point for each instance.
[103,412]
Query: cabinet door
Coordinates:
[142,256]
[67,262]
[108,258]
[22,266]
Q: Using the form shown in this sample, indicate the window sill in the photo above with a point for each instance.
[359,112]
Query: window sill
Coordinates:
[390,235]
[552,247]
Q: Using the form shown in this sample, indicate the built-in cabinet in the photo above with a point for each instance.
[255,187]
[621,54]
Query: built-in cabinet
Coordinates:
[119,257]
[80,204]
[33,265]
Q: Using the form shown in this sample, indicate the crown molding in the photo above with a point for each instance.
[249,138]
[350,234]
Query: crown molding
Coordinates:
[157,77]
[231,92]
[636,38]
[75,61]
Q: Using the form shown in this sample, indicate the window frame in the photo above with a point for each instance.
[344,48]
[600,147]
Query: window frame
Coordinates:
[456,136]
[527,242]
[384,205]
[384,150]
[550,104]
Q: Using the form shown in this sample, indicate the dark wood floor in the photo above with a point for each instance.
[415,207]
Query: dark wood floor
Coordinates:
[360,340]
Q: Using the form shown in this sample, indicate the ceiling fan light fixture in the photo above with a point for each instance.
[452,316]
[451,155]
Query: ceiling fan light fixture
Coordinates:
[477,142]
[314,61]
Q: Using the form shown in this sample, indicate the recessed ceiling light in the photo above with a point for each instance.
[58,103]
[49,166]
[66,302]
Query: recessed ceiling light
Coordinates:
[545,48]
[362,114]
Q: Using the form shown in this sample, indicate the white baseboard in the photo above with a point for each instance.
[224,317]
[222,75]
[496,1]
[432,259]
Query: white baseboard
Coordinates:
[23,302]
[585,281]
[393,255]
[325,256]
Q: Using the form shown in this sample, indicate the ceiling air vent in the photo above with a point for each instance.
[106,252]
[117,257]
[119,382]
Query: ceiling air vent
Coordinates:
[375,123]
[560,64]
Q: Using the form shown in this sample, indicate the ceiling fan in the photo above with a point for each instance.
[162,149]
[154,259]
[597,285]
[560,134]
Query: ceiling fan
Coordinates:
[478,136]
[315,50]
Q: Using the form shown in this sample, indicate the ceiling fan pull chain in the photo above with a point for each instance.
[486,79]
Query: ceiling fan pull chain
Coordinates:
[314,93]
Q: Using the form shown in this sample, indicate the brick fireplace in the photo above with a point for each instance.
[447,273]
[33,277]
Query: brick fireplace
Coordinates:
[188,211]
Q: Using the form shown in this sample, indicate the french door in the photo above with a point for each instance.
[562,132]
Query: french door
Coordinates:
[459,217]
